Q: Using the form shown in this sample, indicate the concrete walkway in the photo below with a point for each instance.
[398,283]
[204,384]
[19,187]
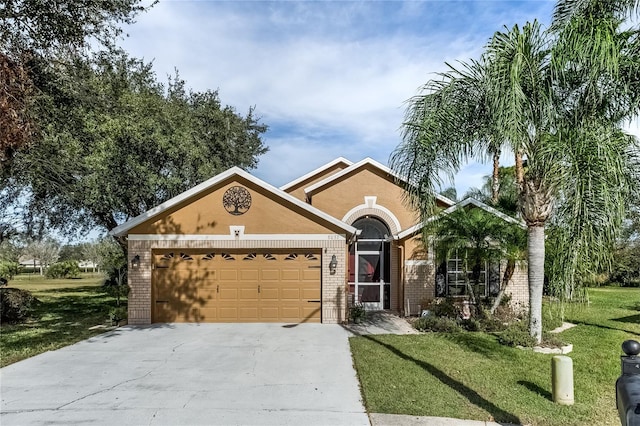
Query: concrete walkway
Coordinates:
[401,420]
[196,374]
[381,322]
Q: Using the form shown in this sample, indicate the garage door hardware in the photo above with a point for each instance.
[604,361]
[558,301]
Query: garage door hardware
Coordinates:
[314,267]
[313,301]
[162,301]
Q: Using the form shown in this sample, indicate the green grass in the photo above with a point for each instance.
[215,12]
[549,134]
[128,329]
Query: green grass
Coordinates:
[68,309]
[471,376]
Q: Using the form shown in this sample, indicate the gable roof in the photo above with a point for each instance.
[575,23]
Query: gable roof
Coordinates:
[467,201]
[360,164]
[317,171]
[122,229]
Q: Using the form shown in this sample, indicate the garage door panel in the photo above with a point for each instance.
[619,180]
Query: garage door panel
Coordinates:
[227,313]
[208,284]
[269,293]
[228,275]
[290,294]
[253,287]
[269,313]
[246,294]
[290,275]
[206,274]
[228,294]
[209,314]
[207,295]
[249,275]
[311,275]
[311,294]
[270,275]
[248,313]
[290,311]
[311,313]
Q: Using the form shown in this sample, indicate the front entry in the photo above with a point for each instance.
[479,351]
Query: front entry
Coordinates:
[370,264]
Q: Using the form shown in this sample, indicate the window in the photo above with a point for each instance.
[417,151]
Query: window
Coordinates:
[450,278]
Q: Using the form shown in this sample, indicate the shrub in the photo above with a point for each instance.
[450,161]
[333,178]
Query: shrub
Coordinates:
[15,304]
[66,269]
[118,314]
[472,324]
[357,312]
[551,340]
[445,308]
[116,284]
[9,269]
[517,335]
[506,313]
[492,324]
[437,324]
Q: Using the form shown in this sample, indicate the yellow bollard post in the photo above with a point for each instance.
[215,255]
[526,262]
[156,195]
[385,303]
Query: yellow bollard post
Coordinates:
[562,380]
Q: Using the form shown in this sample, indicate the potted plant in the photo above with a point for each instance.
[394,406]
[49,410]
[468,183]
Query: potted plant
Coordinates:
[357,312]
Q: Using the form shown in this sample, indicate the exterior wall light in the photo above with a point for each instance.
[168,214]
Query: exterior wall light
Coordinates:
[333,265]
[135,262]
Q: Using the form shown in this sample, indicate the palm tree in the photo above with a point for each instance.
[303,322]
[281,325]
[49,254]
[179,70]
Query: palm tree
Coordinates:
[512,240]
[477,238]
[580,165]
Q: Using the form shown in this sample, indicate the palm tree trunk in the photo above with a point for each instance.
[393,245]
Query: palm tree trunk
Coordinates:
[472,295]
[536,279]
[495,178]
[506,277]
[519,170]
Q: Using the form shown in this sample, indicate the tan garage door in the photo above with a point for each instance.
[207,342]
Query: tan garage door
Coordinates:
[217,286]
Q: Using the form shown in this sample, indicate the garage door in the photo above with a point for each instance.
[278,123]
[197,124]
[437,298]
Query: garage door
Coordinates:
[218,286]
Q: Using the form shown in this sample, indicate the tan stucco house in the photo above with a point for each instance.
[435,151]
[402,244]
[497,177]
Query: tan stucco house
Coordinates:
[236,249]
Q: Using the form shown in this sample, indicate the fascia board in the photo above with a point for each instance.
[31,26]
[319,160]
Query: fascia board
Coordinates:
[329,179]
[486,208]
[312,188]
[418,227]
[316,171]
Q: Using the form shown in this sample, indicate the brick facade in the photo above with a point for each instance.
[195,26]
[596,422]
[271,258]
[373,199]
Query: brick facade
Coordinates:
[518,288]
[419,286]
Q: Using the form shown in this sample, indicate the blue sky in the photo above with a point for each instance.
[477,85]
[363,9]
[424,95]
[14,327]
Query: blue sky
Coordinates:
[329,78]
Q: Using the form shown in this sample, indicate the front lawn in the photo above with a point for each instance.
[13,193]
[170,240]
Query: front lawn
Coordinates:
[471,376]
[68,309]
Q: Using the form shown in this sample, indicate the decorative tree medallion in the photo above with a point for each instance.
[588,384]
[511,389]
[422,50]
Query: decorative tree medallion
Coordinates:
[236,200]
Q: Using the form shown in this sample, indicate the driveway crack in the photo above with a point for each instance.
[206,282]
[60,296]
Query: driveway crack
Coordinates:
[103,390]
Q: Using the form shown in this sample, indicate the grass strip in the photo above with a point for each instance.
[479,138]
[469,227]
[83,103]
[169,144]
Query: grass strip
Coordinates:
[471,376]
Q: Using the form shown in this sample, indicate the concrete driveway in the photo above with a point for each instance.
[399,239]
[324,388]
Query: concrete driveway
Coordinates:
[179,374]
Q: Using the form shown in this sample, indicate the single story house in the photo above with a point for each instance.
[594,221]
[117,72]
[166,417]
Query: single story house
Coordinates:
[237,249]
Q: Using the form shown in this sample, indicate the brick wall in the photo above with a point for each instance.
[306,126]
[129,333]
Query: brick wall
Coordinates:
[518,288]
[419,277]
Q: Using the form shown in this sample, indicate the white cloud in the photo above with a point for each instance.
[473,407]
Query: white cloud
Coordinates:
[329,78]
